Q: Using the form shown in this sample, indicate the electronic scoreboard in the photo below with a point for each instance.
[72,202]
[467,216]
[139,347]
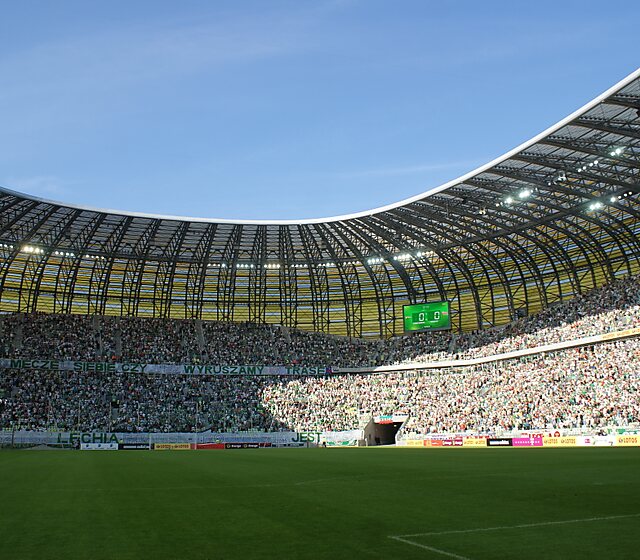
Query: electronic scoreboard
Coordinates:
[433,316]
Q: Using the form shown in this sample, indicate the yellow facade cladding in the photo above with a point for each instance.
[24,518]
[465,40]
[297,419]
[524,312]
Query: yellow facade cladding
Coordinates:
[90,287]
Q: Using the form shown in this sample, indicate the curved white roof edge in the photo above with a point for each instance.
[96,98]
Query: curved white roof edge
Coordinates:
[553,128]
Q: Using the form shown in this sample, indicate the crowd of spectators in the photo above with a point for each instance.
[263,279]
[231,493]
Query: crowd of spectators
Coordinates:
[68,400]
[583,387]
[153,340]
[611,308]
[179,341]
[574,388]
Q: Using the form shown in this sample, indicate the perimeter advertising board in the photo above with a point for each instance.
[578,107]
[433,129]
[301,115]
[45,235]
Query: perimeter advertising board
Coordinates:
[499,442]
[134,447]
[564,441]
[628,440]
[595,441]
[474,442]
[99,447]
[535,441]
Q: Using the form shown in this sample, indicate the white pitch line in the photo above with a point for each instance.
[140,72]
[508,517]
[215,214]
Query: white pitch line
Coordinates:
[523,526]
[431,548]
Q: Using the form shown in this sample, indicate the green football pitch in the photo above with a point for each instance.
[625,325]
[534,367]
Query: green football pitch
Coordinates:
[320,503]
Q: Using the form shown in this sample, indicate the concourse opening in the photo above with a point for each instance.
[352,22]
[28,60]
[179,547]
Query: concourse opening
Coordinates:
[385,433]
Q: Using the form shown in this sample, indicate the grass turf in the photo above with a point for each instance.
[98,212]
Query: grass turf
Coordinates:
[319,503]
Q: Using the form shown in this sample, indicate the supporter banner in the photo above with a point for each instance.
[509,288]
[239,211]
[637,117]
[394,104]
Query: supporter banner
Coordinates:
[343,443]
[168,369]
[633,440]
[535,441]
[99,446]
[171,446]
[306,437]
[334,439]
[134,447]
[74,438]
[499,442]
[627,431]
[25,437]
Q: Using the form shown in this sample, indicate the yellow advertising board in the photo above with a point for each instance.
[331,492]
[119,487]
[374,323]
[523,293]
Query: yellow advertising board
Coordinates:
[620,334]
[414,443]
[173,446]
[565,441]
[629,441]
[474,442]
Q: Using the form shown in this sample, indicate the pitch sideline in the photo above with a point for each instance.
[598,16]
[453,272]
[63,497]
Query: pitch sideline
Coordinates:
[407,538]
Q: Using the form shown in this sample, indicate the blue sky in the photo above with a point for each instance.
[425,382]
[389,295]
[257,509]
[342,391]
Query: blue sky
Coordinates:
[287,109]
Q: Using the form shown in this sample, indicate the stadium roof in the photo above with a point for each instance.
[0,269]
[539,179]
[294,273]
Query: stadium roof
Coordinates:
[554,217]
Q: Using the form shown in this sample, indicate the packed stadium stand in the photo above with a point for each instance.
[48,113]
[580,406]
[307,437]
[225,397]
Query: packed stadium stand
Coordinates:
[582,387]
[539,247]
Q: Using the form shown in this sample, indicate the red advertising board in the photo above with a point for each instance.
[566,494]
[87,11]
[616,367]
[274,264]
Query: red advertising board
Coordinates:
[210,446]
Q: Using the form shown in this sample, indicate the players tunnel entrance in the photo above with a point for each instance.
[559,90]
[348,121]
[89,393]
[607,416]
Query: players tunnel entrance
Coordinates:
[385,433]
